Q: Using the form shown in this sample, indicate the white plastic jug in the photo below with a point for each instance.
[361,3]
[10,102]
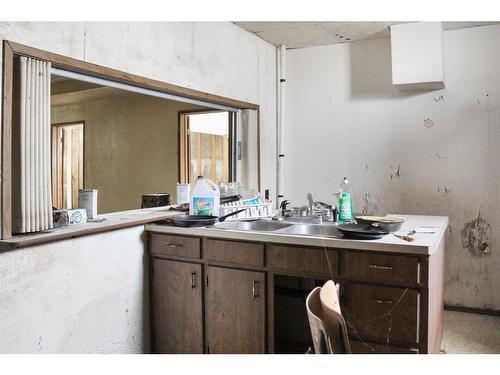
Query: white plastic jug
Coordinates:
[204,198]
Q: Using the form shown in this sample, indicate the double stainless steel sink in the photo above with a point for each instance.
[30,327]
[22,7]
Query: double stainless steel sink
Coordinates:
[281,227]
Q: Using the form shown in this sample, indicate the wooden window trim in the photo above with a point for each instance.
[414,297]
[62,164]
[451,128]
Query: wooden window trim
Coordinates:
[13,49]
[183,140]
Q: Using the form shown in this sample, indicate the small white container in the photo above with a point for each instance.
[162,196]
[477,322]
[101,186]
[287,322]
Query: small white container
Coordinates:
[183,191]
[87,199]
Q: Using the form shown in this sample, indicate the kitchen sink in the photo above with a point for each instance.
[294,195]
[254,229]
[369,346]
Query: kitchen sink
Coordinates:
[311,230]
[257,225]
[281,227]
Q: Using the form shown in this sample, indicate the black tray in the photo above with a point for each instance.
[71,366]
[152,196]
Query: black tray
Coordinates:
[361,231]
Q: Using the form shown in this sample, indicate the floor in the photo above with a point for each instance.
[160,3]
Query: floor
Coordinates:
[470,333]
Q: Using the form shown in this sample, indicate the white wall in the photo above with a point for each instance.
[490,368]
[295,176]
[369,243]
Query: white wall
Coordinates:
[216,57]
[83,295]
[345,118]
[219,58]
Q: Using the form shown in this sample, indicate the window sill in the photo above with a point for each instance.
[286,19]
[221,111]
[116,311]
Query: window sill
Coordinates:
[113,221]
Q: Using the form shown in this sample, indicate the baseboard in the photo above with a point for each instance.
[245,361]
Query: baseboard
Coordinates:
[474,310]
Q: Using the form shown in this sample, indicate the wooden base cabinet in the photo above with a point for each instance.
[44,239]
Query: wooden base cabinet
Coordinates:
[176,307]
[228,296]
[235,312]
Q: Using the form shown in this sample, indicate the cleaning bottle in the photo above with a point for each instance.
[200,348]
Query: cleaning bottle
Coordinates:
[204,198]
[345,202]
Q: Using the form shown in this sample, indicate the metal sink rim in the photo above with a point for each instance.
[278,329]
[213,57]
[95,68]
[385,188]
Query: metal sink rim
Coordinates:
[259,225]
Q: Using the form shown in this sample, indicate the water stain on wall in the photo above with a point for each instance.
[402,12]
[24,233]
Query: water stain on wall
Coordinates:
[476,236]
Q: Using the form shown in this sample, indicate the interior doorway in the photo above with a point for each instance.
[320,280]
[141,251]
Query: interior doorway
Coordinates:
[67,164]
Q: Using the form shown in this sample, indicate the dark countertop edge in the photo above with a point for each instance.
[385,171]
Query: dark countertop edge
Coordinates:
[21,241]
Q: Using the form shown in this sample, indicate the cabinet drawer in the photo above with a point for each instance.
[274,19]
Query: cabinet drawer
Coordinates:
[381,268]
[380,312]
[162,244]
[312,260]
[235,252]
[363,347]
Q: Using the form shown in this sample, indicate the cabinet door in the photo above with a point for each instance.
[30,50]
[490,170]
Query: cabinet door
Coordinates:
[235,311]
[177,307]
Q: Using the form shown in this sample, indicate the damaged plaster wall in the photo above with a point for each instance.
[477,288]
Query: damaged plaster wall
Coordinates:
[84,295]
[215,57]
[415,152]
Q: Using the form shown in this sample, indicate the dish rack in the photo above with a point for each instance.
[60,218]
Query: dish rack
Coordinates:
[255,209]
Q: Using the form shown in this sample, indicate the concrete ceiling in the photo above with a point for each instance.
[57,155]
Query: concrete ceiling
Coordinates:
[309,34]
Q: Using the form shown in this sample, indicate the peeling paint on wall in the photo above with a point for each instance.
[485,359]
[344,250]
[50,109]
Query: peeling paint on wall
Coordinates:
[368,204]
[443,190]
[386,126]
[396,173]
[428,123]
[476,236]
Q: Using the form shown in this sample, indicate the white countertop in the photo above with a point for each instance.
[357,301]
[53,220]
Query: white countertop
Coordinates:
[425,243]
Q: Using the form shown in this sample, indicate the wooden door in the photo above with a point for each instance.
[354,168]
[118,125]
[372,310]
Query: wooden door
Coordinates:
[67,164]
[235,311]
[176,307]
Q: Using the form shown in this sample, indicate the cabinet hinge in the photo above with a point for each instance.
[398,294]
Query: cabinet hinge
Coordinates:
[206,278]
[208,349]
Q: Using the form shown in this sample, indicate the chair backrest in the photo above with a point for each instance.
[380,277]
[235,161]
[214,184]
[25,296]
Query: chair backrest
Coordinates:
[328,328]
[333,320]
[315,314]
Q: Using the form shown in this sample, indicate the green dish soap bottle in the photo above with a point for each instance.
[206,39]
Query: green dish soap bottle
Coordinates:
[345,202]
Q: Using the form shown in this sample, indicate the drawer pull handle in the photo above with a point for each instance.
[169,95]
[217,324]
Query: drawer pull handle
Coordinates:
[383,301]
[193,280]
[377,267]
[255,289]
[173,245]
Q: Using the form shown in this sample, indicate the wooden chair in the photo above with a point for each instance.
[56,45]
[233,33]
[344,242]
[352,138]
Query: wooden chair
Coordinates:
[328,328]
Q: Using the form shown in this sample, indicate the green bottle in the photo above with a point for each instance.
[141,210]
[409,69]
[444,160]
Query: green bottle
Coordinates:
[345,202]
